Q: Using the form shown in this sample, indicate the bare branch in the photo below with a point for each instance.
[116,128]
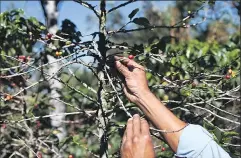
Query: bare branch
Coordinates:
[177,25]
[144,28]
[223,118]
[121,5]
[121,102]
[89,6]
[47,116]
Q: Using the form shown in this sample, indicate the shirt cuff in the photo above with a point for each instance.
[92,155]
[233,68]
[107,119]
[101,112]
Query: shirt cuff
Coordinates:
[193,140]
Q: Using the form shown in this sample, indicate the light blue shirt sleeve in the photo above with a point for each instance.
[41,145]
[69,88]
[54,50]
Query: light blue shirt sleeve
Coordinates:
[197,142]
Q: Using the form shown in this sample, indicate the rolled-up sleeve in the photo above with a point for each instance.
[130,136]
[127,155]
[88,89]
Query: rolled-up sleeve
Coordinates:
[197,142]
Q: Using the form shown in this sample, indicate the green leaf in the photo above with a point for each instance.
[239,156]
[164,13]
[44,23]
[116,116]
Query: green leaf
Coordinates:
[148,75]
[218,134]
[34,21]
[76,138]
[141,21]
[42,27]
[133,13]
[231,133]
[66,140]
[173,61]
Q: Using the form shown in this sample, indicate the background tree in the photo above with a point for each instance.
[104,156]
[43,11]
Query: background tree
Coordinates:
[195,75]
[50,9]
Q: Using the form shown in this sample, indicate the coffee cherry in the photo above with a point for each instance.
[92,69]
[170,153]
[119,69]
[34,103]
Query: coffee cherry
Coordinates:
[4,126]
[163,149]
[230,71]
[58,53]
[13,84]
[131,56]
[49,35]
[71,156]
[191,14]
[22,57]
[8,97]
[39,154]
[42,27]
[227,77]
[38,124]
[68,42]
[165,98]
[194,85]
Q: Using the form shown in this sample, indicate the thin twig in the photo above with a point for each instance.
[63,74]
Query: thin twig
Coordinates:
[47,116]
[121,102]
[223,118]
[121,5]
[89,6]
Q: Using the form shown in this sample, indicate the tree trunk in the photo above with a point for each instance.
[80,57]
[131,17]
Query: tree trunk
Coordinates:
[51,15]
[103,120]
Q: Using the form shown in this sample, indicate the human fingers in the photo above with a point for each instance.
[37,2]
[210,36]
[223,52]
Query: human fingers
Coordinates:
[144,127]
[128,62]
[129,132]
[125,89]
[123,139]
[122,69]
[136,125]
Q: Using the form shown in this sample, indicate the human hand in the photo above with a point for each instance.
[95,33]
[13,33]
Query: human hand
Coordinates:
[135,77]
[136,142]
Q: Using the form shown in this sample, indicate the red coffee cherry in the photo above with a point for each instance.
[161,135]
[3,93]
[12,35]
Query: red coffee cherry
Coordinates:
[49,35]
[131,57]
[163,149]
[39,154]
[194,85]
[71,156]
[227,77]
[22,57]
[4,126]
[38,124]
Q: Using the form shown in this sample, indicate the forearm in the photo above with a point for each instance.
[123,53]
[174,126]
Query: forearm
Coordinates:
[162,118]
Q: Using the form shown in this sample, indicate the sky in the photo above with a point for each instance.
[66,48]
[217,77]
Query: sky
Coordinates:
[73,11]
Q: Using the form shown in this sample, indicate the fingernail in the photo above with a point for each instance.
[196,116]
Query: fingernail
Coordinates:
[136,115]
[130,119]
[117,63]
[117,58]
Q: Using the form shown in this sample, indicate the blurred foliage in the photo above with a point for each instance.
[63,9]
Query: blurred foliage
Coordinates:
[18,34]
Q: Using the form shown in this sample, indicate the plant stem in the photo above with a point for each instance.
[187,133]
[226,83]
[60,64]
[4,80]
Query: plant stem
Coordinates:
[102,83]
